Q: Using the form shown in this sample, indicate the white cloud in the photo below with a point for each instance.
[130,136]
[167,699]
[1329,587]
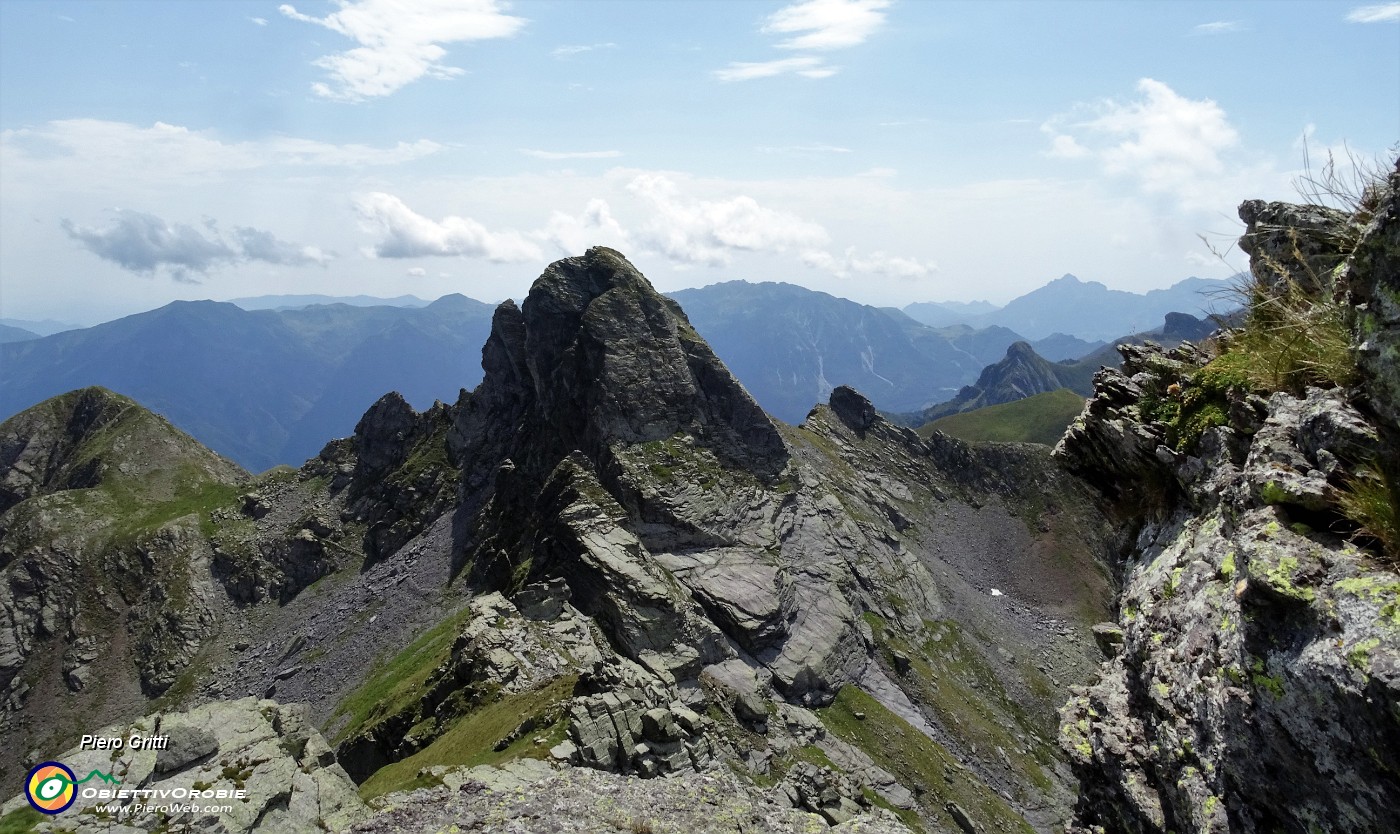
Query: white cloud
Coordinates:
[260,245]
[571,154]
[400,41]
[407,234]
[416,272]
[146,244]
[876,263]
[1064,146]
[574,235]
[260,21]
[100,150]
[1383,13]
[568,51]
[817,25]
[1169,144]
[827,24]
[1217,27]
[807,66]
[707,232]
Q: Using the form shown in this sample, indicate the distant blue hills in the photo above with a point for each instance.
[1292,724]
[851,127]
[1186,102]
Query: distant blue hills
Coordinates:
[270,380]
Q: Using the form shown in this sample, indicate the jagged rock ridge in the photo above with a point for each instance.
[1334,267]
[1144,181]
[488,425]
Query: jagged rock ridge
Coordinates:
[1256,685]
[609,538]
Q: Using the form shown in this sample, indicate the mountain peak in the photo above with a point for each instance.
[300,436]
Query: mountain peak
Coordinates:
[596,356]
[66,443]
[1021,350]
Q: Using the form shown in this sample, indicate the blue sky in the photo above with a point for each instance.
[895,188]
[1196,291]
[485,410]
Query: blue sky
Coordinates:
[883,151]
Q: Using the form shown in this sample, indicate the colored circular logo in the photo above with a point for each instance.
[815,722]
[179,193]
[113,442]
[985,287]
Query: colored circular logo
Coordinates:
[50,788]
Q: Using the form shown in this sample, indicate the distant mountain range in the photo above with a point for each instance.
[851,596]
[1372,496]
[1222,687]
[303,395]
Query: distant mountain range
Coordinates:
[790,346]
[296,302]
[262,387]
[944,313]
[1085,309]
[270,386]
[15,334]
[1023,373]
[46,327]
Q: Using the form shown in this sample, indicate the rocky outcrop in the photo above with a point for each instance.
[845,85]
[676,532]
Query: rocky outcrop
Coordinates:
[245,765]
[522,797]
[105,594]
[1258,677]
[1373,283]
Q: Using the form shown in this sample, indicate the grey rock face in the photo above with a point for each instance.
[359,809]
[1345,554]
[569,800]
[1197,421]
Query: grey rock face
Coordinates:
[1288,242]
[1374,285]
[585,801]
[1257,684]
[267,749]
[186,744]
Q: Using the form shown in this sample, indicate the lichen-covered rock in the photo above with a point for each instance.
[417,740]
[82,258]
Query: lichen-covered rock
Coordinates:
[1257,687]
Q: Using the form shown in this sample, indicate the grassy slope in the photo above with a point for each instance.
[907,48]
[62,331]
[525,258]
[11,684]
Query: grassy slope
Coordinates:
[1042,418]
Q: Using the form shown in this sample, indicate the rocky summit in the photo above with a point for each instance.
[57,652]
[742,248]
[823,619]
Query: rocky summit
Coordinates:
[605,591]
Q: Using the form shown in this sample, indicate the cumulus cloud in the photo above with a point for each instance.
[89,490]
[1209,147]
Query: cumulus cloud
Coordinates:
[1382,13]
[570,154]
[1168,143]
[827,24]
[406,234]
[807,66]
[570,50]
[260,245]
[1065,146]
[1217,27]
[707,232]
[400,41]
[876,263]
[572,235]
[258,21]
[146,244]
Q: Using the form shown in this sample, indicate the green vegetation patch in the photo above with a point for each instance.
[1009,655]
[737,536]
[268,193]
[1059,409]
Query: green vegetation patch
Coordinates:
[472,739]
[1042,419]
[916,759]
[399,683]
[20,820]
[428,457]
[134,515]
[1373,503]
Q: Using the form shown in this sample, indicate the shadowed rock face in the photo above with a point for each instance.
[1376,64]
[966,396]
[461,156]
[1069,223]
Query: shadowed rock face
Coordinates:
[608,360]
